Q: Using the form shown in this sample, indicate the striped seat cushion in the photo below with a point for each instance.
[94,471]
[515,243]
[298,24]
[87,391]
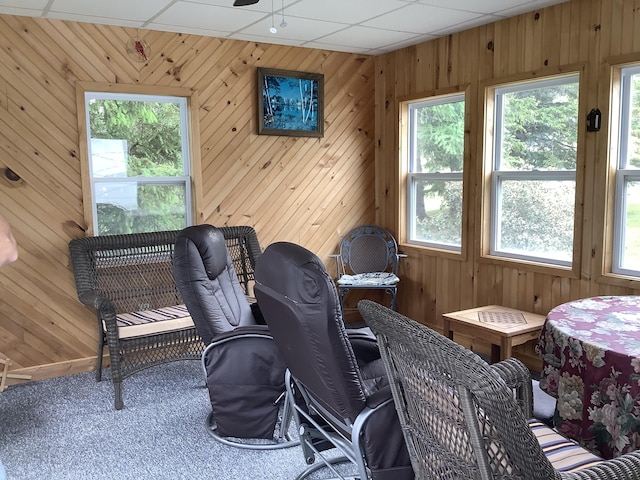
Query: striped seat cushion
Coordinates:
[149,322]
[564,454]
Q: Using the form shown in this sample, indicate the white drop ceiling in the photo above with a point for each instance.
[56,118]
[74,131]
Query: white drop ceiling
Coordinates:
[370,27]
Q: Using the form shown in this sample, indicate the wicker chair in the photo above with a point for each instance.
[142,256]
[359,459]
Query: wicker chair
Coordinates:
[461,419]
[128,281]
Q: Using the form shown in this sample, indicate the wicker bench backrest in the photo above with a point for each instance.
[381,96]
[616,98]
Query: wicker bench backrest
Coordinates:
[134,270]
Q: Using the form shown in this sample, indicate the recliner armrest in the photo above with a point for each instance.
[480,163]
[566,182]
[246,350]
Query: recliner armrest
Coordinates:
[244,330]
[379,397]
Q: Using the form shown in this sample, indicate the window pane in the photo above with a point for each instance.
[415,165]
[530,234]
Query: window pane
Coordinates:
[131,138]
[437,216]
[436,161]
[130,207]
[630,254]
[536,218]
[539,128]
[632,147]
[439,137]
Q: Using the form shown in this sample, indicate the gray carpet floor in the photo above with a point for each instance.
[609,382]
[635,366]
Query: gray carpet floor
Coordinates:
[67,429]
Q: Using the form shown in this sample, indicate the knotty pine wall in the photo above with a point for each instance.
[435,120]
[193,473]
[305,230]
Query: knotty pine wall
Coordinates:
[587,35]
[305,190]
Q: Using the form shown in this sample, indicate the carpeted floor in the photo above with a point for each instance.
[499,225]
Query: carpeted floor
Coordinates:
[67,429]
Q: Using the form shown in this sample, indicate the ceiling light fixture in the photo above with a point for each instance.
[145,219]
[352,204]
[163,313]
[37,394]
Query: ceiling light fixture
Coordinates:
[283,23]
[273,28]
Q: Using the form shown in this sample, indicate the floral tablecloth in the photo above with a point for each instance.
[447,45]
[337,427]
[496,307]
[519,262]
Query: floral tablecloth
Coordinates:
[591,363]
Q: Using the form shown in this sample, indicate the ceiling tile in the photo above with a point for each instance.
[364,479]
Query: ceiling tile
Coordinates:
[365,37]
[476,22]
[297,28]
[135,10]
[349,11]
[91,19]
[484,6]
[419,18]
[224,19]
[40,4]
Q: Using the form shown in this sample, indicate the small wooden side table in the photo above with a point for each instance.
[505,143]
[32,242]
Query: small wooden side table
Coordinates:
[503,327]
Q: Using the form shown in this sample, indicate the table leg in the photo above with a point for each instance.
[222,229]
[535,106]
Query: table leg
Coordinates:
[447,329]
[506,348]
[496,352]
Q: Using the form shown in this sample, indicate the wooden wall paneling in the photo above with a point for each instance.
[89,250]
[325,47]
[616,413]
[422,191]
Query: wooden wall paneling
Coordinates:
[26,62]
[418,286]
[385,155]
[108,51]
[312,191]
[323,186]
[566,34]
[618,24]
[552,36]
[80,60]
[515,43]
[355,197]
[589,161]
[634,41]
[41,150]
[33,318]
[499,47]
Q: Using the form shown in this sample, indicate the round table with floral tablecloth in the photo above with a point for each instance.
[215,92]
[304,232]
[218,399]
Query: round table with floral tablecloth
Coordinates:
[590,350]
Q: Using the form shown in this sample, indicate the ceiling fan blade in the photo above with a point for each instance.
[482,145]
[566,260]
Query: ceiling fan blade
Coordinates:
[244,3]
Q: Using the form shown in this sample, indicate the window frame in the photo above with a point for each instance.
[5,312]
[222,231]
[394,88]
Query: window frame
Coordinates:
[622,174]
[191,163]
[495,177]
[411,179]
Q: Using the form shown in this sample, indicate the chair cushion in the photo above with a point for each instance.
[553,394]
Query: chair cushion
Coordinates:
[149,322]
[372,278]
[564,454]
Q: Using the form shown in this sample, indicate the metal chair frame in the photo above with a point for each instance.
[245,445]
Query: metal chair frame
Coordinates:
[367,249]
[350,446]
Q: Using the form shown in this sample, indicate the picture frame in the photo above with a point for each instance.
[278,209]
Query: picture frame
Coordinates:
[290,103]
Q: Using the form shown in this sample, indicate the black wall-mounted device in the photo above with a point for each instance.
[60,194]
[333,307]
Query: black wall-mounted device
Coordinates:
[594,119]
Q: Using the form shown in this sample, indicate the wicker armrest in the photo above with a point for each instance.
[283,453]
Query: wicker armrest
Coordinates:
[89,299]
[625,467]
[104,309]
[517,377]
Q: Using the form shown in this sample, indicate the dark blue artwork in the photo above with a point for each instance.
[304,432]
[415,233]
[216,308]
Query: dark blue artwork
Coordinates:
[291,104]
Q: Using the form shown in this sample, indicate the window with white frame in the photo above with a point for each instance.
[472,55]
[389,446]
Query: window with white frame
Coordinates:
[534,170]
[626,235]
[138,149]
[435,129]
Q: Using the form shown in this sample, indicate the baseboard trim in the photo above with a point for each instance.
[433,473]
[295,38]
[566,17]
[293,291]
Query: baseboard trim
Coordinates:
[58,369]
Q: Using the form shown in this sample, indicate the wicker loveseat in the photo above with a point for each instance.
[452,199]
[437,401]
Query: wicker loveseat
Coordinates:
[128,282]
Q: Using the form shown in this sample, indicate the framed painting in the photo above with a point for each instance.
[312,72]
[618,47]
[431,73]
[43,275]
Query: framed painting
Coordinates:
[290,103]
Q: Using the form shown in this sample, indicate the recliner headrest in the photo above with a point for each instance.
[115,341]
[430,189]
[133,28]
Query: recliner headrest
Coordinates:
[211,246]
[292,271]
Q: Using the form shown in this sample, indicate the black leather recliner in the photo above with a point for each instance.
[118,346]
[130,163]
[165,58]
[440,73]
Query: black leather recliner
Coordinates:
[336,380]
[244,370]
